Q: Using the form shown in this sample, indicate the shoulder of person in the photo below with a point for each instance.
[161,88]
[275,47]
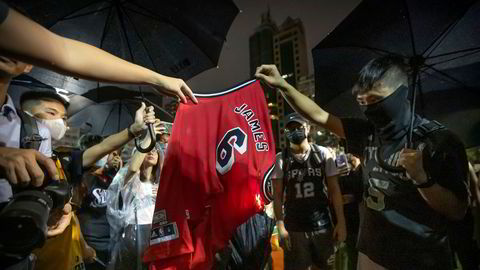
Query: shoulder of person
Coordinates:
[443,139]
[326,153]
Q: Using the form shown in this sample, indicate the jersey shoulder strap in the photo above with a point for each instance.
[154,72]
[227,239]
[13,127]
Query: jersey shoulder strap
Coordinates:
[29,135]
[317,153]
[423,130]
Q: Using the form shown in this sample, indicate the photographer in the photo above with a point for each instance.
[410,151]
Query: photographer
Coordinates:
[407,211]
[51,109]
[19,166]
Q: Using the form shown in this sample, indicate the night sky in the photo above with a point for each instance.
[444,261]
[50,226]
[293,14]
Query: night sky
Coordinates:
[319,17]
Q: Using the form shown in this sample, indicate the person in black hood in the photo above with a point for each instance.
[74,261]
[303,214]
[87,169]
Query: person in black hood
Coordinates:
[411,191]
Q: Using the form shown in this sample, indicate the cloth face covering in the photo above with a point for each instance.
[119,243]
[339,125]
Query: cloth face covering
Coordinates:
[390,116]
[296,136]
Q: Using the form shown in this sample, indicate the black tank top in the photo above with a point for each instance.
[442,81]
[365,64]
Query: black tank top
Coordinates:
[306,205]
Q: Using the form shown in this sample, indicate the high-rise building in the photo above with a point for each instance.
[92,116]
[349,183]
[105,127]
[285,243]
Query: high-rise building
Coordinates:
[290,56]
[284,46]
[261,43]
[261,52]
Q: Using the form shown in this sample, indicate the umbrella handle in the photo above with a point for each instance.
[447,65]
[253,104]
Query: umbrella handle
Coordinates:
[151,131]
[384,165]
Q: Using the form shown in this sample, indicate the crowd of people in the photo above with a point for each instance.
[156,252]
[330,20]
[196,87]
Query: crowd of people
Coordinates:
[387,200]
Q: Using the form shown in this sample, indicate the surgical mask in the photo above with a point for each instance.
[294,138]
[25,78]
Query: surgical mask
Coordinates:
[57,127]
[390,116]
[296,136]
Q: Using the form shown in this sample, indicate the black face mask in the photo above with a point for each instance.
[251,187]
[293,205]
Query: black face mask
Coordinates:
[390,116]
[296,136]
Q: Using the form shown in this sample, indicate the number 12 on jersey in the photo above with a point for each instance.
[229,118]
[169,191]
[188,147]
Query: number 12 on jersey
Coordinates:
[305,190]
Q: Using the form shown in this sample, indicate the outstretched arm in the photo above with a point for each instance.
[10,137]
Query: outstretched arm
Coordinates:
[31,43]
[142,117]
[300,103]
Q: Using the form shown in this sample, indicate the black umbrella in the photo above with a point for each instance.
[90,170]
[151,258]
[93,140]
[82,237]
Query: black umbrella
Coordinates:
[110,93]
[440,41]
[178,38]
[111,116]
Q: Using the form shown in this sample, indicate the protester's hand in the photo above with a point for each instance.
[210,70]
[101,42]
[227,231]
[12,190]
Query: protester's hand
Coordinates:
[270,75]
[59,220]
[412,161]
[340,232]
[117,162]
[9,66]
[159,126]
[22,166]
[143,116]
[89,254]
[284,236]
[175,88]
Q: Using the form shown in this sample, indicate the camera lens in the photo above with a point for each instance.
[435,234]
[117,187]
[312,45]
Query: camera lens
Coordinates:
[23,222]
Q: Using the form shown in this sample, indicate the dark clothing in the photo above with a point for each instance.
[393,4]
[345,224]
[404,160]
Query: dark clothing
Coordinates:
[132,244]
[352,184]
[399,229]
[72,164]
[3,12]
[249,248]
[306,204]
[462,242]
[310,248]
[92,214]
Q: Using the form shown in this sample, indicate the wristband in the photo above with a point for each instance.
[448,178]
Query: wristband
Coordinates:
[430,182]
[130,132]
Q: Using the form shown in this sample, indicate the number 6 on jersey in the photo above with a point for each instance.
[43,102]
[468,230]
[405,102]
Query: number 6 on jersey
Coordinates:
[233,139]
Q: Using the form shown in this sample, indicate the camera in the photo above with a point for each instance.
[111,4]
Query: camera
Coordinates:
[23,221]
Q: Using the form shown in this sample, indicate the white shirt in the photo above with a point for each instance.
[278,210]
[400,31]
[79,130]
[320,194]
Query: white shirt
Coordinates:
[10,126]
[330,167]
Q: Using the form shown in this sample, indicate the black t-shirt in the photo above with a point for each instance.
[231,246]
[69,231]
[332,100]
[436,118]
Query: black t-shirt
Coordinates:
[72,164]
[399,229]
[352,184]
[306,204]
[3,12]
[92,214]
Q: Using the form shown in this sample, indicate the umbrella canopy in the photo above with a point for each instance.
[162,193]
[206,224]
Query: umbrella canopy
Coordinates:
[178,38]
[440,41]
[110,117]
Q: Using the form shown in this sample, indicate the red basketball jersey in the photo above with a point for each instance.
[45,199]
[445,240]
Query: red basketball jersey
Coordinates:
[216,175]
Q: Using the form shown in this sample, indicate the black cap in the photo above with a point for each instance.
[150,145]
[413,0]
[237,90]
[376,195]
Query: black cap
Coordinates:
[295,117]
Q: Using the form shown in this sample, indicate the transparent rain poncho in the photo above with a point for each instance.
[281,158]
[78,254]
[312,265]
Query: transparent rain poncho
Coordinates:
[129,212]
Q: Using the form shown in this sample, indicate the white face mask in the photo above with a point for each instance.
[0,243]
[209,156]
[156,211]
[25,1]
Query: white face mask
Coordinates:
[56,126]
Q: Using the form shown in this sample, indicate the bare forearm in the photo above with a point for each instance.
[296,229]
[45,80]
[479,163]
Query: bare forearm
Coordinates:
[444,201]
[81,57]
[138,157]
[28,41]
[311,111]
[304,105]
[277,208]
[337,200]
[111,143]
